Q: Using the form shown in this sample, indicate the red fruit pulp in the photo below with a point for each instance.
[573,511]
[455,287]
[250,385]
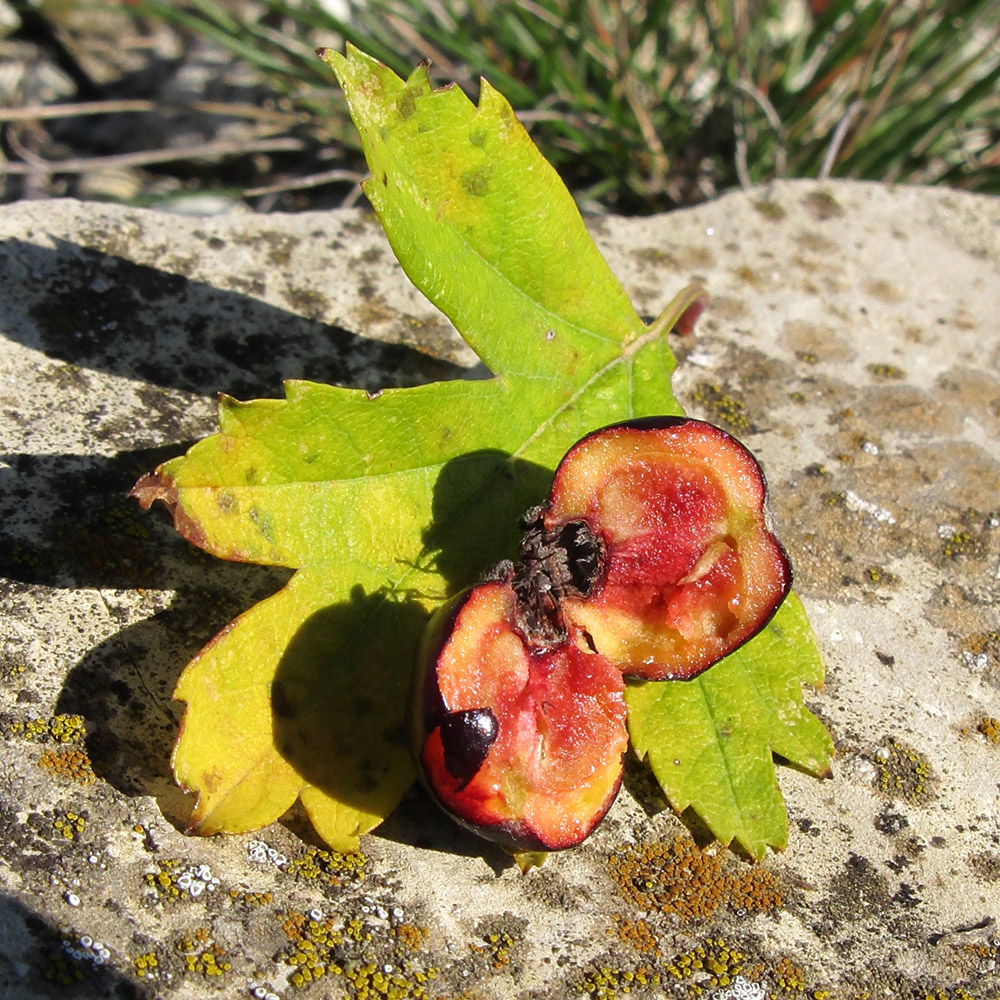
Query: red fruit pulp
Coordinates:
[692,569]
[554,766]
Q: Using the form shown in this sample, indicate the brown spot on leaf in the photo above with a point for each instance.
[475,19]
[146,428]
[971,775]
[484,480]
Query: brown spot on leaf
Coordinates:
[211,781]
[477,181]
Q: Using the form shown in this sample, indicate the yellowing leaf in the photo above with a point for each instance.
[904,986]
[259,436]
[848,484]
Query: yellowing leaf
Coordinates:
[386,505]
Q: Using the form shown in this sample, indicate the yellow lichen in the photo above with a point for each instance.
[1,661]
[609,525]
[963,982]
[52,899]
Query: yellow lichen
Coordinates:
[175,880]
[63,728]
[961,542]
[249,898]
[146,966]
[723,406]
[990,728]
[329,866]
[902,771]
[498,948]
[887,371]
[318,949]
[604,982]
[714,963]
[202,955]
[69,825]
[881,576]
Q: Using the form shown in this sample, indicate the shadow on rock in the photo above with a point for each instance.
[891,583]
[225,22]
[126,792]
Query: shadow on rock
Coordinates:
[123,686]
[90,308]
[419,822]
[68,522]
[38,959]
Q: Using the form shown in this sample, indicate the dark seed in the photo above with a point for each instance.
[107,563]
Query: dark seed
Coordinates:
[467,737]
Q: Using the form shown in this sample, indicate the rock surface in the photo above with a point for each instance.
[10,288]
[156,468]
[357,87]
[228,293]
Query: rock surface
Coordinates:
[853,342]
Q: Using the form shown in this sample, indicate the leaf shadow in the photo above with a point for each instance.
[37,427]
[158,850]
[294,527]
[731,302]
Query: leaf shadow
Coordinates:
[340,709]
[478,501]
[100,311]
[123,687]
[342,691]
[68,524]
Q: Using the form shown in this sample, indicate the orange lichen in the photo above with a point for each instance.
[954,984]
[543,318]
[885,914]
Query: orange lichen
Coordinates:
[410,936]
[74,764]
[638,933]
[201,954]
[682,879]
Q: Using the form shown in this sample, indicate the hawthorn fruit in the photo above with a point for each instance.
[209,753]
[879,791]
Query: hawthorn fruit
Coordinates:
[653,558]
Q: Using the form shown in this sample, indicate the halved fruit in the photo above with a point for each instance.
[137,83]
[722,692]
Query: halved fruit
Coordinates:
[653,558]
[523,746]
[690,568]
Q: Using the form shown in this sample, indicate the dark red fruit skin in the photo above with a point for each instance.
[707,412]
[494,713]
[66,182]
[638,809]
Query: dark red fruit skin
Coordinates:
[783,563]
[428,710]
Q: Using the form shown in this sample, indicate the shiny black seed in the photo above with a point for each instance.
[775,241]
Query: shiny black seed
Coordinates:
[467,737]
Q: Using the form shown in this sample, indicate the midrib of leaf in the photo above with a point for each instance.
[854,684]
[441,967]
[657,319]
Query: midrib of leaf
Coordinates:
[658,328]
[521,293]
[703,690]
[624,358]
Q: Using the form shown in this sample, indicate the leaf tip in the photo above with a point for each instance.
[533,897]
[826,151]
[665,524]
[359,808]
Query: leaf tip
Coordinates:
[160,485]
[154,486]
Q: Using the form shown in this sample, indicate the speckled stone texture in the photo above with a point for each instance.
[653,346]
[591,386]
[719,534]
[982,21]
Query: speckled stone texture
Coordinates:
[853,342]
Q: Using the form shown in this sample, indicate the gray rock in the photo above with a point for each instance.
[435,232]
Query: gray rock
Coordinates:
[853,341]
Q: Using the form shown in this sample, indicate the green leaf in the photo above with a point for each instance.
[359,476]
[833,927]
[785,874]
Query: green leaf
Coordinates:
[388,504]
[710,740]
